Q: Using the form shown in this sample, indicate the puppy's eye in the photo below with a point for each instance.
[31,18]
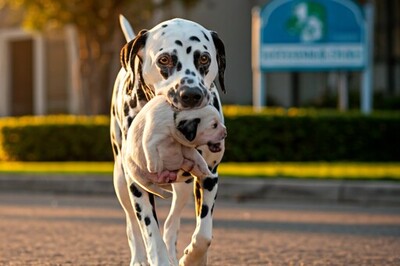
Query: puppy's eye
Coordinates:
[215,125]
[204,59]
[164,60]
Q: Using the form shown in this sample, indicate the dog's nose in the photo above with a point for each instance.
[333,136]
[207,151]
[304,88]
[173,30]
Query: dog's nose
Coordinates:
[191,96]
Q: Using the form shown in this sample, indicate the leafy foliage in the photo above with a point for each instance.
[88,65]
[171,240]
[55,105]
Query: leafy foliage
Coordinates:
[276,135]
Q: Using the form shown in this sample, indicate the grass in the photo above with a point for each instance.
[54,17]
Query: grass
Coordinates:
[319,170]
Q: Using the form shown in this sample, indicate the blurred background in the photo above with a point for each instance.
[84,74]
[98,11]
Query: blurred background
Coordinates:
[59,56]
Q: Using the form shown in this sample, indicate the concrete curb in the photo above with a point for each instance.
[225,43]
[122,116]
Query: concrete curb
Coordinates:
[339,191]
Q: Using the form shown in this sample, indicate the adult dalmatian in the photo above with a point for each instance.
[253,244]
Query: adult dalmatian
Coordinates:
[183,61]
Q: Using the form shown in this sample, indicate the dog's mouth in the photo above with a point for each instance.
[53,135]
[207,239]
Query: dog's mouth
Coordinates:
[214,147]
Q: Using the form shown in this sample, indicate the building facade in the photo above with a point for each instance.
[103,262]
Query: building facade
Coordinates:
[38,71]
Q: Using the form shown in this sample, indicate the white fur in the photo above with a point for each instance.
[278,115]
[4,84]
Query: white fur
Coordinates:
[154,143]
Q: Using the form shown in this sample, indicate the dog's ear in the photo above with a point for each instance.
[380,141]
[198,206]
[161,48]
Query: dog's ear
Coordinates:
[220,47]
[131,49]
[189,128]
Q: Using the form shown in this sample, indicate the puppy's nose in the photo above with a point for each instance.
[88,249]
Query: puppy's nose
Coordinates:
[191,96]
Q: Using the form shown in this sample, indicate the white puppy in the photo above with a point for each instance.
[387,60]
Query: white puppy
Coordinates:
[162,140]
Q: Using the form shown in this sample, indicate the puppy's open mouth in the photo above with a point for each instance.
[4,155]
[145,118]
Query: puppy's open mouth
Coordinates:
[214,147]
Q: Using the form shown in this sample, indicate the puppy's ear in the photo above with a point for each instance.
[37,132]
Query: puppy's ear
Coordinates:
[130,50]
[189,128]
[220,47]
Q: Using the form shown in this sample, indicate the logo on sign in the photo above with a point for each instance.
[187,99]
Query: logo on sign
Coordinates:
[308,21]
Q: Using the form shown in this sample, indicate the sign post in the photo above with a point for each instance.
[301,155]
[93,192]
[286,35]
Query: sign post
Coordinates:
[311,35]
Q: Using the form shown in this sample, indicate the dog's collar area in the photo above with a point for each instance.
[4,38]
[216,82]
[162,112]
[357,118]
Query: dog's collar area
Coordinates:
[214,147]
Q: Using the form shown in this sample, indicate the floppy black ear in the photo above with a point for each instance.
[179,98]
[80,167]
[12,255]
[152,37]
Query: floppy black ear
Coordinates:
[220,47]
[189,128]
[130,50]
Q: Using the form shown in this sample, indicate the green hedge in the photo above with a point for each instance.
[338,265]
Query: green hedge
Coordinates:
[55,138]
[272,135]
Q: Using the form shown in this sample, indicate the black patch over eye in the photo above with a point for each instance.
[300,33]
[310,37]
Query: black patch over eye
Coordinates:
[167,63]
[202,61]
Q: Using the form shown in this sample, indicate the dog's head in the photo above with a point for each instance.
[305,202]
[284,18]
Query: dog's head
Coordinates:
[179,59]
[200,127]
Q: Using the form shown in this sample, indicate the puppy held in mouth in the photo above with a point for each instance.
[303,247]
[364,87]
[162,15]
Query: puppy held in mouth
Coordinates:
[162,141]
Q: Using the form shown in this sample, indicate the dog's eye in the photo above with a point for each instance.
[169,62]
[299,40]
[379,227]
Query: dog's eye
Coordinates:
[204,59]
[215,125]
[164,60]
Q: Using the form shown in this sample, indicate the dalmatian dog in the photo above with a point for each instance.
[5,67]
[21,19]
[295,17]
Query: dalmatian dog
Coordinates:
[184,62]
[162,140]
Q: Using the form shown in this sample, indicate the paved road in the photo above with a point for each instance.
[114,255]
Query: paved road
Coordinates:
[89,230]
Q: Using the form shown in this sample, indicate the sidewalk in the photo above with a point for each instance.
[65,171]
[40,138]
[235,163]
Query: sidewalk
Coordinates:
[240,189]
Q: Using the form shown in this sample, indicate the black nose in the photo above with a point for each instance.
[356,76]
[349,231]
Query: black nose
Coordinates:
[190,96]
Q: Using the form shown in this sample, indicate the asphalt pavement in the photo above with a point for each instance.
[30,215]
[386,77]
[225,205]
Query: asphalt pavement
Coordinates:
[58,229]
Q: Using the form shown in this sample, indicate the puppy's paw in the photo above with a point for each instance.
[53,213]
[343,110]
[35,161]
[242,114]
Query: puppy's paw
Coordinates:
[165,176]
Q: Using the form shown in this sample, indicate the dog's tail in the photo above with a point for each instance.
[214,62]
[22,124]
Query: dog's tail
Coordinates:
[126,28]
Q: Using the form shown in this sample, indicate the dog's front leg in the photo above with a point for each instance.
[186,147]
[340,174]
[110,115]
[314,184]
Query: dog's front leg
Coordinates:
[181,193]
[143,203]
[205,193]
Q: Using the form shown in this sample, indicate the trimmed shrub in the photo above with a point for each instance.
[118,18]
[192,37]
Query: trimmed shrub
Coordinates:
[55,138]
[272,135]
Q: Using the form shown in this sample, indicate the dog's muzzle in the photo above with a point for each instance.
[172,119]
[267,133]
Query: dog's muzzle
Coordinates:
[190,96]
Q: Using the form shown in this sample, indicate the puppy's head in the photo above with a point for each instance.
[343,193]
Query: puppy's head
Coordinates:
[200,127]
[179,59]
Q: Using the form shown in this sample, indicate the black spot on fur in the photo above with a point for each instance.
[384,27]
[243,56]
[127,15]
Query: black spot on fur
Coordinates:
[161,49]
[189,49]
[215,101]
[212,209]
[205,36]
[137,207]
[147,221]
[135,191]
[115,149]
[164,25]
[179,67]
[133,103]
[205,47]
[186,174]
[189,128]
[130,119]
[215,169]
[194,38]
[178,42]
[190,81]
[209,183]
[187,71]
[153,204]
[126,109]
[190,180]
[204,211]
[139,216]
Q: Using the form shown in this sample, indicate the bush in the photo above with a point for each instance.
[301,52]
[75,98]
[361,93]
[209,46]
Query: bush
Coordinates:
[301,135]
[55,138]
[272,135]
